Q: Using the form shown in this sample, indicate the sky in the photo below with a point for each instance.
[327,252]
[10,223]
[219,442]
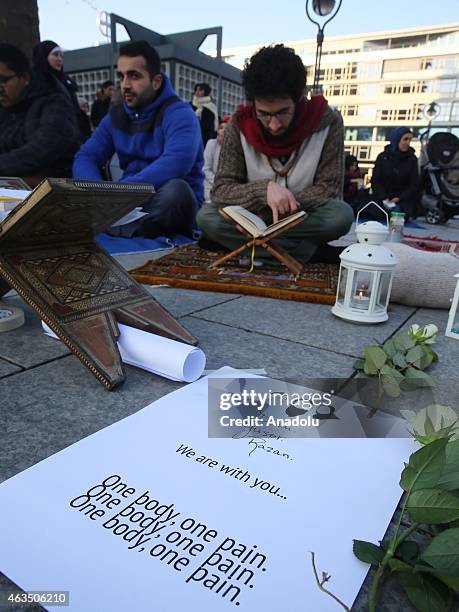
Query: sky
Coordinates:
[72,23]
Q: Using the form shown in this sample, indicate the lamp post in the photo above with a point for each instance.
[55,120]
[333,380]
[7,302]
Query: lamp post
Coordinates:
[322,8]
[431,112]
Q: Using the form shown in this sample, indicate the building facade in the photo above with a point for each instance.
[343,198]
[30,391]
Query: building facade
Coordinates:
[383,80]
[181,61]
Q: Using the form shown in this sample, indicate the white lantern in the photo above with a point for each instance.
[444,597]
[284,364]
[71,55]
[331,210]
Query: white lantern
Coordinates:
[452,328]
[365,276]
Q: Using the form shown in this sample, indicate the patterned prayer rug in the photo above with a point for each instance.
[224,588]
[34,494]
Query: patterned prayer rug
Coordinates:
[432,243]
[188,268]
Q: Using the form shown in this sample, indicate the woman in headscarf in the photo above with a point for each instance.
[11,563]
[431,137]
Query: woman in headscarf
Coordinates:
[395,179]
[48,59]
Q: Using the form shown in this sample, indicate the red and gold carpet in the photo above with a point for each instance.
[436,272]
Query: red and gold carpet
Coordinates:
[187,267]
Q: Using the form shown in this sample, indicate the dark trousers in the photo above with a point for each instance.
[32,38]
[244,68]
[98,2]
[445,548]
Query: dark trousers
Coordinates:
[172,210]
[321,225]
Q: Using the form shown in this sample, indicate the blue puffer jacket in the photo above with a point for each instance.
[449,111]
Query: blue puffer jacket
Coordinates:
[148,153]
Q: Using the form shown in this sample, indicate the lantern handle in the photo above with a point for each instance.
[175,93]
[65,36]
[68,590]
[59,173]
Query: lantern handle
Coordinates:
[369,204]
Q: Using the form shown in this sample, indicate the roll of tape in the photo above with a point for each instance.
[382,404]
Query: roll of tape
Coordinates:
[10,317]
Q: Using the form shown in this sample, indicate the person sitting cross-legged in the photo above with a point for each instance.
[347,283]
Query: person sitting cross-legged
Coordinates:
[281,153]
[158,141]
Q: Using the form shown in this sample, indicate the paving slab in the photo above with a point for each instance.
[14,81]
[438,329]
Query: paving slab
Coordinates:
[282,359]
[305,323]
[180,302]
[66,405]
[6,369]
[27,346]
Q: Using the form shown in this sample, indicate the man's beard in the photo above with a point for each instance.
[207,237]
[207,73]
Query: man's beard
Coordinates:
[284,135]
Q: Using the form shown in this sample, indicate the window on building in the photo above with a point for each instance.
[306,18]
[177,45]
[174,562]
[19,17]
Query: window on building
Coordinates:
[413,113]
[408,64]
[363,153]
[447,86]
[358,133]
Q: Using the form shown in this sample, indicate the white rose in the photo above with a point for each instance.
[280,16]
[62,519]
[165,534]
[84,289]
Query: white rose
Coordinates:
[429,333]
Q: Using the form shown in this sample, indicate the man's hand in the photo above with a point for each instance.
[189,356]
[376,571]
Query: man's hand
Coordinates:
[281,201]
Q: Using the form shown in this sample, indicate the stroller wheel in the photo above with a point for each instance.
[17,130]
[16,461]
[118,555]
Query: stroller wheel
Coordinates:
[435,216]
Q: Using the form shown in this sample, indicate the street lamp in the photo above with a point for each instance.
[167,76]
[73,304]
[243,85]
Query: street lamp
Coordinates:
[431,112]
[322,8]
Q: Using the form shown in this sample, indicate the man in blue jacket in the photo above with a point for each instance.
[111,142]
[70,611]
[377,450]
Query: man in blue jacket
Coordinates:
[158,141]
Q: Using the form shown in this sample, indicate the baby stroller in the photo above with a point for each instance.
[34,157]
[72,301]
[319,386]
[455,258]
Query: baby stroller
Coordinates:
[440,197]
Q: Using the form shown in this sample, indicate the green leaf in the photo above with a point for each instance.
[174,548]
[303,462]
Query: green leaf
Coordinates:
[426,359]
[390,387]
[358,364]
[418,378]
[430,351]
[414,354]
[388,369]
[399,360]
[450,581]
[389,348]
[400,566]
[408,550]
[375,358]
[368,552]
[449,479]
[425,467]
[403,342]
[426,593]
[433,506]
[443,552]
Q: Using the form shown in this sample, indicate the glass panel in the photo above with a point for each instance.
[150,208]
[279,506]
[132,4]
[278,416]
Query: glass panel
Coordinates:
[342,284]
[383,291]
[362,286]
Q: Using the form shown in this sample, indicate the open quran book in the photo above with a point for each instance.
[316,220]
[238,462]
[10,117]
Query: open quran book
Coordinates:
[48,254]
[255,224]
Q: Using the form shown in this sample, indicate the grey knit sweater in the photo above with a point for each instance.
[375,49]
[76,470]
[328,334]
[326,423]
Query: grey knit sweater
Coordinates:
[232,186]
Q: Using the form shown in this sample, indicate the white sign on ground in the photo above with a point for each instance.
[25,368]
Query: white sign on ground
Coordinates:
[151,514]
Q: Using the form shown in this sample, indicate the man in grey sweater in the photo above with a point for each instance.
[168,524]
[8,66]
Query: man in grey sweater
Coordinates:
[281,153]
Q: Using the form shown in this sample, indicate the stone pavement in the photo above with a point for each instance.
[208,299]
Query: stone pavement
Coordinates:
[48,400]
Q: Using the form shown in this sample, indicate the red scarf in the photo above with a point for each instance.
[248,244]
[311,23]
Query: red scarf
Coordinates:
[308,113]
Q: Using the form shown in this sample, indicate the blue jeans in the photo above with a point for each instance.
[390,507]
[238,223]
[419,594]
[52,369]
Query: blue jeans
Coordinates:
[172,210]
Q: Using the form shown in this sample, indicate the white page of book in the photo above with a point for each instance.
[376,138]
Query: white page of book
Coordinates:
[17,194]
[200,525]
[133,215]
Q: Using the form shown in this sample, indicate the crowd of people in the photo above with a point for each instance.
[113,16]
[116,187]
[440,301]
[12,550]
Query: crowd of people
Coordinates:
[279,153]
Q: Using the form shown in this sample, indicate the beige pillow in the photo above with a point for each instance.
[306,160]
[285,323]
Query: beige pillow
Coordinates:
[423,278]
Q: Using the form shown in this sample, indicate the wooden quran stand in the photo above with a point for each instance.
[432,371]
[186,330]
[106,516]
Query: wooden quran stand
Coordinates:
[263,241]
[49,255]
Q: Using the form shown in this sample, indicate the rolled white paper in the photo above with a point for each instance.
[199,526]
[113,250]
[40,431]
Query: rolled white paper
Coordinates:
[169,358]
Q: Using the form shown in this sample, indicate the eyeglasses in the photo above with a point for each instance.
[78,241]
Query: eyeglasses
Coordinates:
[6,79]
[282,115]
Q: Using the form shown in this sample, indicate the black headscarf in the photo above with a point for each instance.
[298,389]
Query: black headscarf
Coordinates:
[40,59]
